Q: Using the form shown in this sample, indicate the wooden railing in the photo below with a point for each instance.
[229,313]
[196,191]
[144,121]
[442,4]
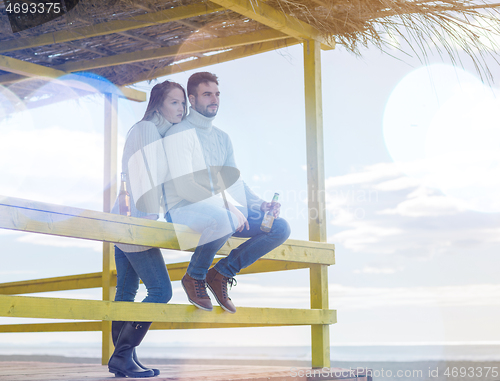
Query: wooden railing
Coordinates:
[38,217]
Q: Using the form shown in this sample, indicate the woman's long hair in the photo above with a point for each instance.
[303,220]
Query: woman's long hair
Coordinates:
[158,95]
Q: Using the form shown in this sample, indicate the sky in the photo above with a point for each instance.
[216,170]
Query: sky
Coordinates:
[412,162]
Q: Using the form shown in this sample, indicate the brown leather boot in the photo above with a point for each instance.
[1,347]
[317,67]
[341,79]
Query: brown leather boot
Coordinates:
[217,283]
[196,291]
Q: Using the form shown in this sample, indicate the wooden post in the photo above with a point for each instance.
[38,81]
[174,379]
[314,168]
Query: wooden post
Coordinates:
[320,334]
[109,196]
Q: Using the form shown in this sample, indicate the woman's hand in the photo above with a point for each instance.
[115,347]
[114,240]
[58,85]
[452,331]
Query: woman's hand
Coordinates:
[274,207]
[242,221]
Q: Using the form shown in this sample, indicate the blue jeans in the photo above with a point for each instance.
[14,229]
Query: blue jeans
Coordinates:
[147,265]
[212,221]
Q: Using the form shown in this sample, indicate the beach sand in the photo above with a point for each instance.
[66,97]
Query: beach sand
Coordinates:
[396,371]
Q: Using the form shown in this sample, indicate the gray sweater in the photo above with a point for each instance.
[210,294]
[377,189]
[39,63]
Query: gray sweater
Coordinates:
[144,163]
[201,164]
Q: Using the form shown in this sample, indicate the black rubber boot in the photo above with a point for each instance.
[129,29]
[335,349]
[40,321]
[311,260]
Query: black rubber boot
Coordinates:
[121,362]
[116,327]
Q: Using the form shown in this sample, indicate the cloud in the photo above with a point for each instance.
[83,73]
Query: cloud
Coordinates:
[378,270]
[424,205]
[381,210]
[52,164]
[371,174]
[471,295]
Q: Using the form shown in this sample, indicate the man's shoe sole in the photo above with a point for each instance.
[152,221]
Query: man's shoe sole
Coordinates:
[218,301]
[193,303]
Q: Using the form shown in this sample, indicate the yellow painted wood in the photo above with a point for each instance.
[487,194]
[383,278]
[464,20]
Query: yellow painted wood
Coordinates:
[186,48]
[28,69]
[72,282]
[93,280]
[21,69]
[276,19]
[96,326]
[109,196]
[320,334]
[37,217]
[85,326]
[77,309]
[234,54]
[314,142]
[110,27]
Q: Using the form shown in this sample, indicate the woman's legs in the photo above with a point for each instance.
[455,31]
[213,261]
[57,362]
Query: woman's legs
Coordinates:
[149,266]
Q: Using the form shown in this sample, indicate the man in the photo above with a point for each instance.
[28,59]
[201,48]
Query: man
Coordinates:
[202,166]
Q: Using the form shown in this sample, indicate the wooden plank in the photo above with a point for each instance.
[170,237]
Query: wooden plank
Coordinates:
[276,19]
[77,309]
[37,217]
[214,371]
[28,69]
[85,326]
[236,53]
[96,326]
[186,48]
[72,282]
[110,27]
[93,280]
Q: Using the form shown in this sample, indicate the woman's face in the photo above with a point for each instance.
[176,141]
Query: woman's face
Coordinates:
[173,106]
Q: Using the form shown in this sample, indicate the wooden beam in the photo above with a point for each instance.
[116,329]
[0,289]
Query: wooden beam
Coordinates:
[276,19]
[109,196]
[94,280]
[28,69]
[236,53]
[38,217]
[89,326]
[314,142]
[63,283]
[187,48]
[86,326]
[162,17]
[79,309]
[320,333]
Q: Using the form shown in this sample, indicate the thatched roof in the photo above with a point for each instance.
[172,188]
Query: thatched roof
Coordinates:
[90,37]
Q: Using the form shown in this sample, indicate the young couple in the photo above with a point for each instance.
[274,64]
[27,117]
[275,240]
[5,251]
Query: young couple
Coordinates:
[191,167]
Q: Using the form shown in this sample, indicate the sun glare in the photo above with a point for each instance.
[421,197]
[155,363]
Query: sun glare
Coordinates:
[442,125]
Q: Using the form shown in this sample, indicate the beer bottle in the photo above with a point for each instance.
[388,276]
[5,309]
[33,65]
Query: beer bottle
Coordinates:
[267,221]
[124,197]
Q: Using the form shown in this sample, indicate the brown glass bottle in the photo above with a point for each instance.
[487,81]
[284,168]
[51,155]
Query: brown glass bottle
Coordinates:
[267,221]
[124,197]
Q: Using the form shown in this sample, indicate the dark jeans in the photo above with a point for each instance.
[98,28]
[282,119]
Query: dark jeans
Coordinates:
[213,221]
[148,266]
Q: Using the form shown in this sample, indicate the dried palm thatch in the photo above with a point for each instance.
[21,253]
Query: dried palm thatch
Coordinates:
[448,25]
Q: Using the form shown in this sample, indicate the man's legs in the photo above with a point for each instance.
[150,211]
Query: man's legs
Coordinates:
[216,224]
[259,244]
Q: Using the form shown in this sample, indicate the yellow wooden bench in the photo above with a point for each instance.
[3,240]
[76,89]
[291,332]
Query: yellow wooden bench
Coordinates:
[38,217]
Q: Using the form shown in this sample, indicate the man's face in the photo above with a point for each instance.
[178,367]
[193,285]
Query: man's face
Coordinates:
[206,100]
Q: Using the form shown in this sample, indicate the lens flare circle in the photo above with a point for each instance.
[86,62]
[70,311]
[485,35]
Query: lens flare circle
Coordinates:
[442,126]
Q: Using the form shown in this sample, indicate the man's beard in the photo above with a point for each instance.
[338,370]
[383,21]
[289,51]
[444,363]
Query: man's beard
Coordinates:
[206,112]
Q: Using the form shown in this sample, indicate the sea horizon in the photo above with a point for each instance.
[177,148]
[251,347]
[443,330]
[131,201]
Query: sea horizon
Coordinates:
[393,352]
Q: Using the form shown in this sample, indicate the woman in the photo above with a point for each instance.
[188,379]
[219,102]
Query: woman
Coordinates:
[143,160]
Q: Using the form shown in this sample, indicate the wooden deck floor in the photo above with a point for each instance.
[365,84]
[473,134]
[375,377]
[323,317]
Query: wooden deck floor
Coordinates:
[46,371]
